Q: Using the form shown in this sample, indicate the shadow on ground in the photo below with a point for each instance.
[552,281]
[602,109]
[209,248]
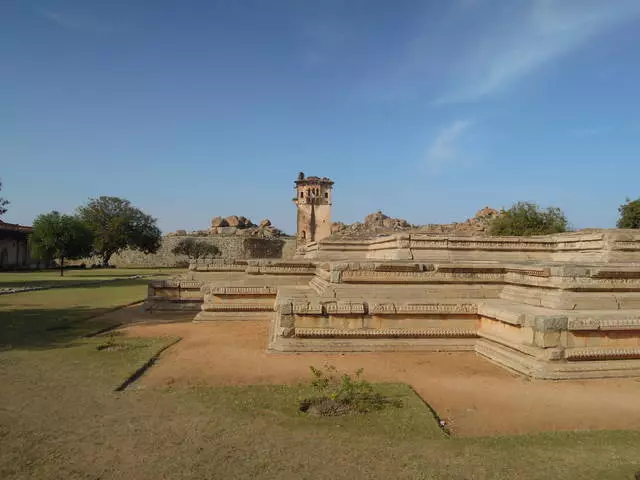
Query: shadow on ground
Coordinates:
[69,281]
[50,328]
[56,317]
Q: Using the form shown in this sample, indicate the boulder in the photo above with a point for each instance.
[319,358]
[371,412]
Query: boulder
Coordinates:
[245,222]
[265,223]
[219,222]
[487,212]
[232,221]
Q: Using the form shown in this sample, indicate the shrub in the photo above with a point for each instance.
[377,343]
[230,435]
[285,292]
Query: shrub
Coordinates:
[341,394]
[525,219]
[195,249]
[629,214]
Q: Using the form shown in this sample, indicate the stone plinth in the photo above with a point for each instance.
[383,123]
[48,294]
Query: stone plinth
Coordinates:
[562,306]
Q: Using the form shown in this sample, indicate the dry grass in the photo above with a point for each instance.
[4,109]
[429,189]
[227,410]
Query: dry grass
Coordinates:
[53,278]
[61,418]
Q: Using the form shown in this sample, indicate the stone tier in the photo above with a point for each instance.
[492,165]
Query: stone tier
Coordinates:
[237,303]
[547,316]
[174,295]
[544,319]
[600,246]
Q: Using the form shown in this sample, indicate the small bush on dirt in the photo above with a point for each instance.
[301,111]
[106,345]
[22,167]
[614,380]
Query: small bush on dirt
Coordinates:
[341,394]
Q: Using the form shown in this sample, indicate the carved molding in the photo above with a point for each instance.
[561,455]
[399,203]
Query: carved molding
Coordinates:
[602,353]
[345,308]
[422,308]
[627,245]
[604,323]
[268,270]
[307,308]
[214,290]
[184,284]
[544,272]
[364,276]
[237,307]
[616,274]
[220,268]
[386,332]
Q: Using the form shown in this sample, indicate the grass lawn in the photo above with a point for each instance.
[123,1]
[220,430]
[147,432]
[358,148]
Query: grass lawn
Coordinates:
[61,418]
[53,278]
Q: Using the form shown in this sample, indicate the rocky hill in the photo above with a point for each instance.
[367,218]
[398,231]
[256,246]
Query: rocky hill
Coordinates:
[380,224]
[235,225]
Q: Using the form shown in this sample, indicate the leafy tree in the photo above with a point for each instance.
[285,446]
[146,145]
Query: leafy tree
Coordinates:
[195,249]
[525,219]
[3,203]
[116,225]
[629,214]
[60,237]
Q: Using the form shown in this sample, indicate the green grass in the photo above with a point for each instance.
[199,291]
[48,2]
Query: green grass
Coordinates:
[47,318]
[61,418]
[53,278]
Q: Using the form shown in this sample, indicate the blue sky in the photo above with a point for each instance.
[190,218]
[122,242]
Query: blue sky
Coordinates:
[427,110]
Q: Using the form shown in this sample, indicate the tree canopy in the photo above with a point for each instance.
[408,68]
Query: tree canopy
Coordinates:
[195,249]
[629,214]
[3,203]
[525,219]
[116,224]
[60,237]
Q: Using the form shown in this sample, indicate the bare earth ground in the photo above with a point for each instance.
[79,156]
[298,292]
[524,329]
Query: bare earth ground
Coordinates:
[474,396]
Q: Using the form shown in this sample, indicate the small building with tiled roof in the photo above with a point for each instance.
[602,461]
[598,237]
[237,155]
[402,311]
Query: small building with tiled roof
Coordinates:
[14,246]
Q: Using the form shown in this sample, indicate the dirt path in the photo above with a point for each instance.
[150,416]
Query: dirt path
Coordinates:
[475,396]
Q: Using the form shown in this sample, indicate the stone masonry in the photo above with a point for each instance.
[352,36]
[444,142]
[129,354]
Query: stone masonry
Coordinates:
[230,246]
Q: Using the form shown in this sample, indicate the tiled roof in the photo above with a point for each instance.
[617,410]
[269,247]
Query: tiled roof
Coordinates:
[14,227]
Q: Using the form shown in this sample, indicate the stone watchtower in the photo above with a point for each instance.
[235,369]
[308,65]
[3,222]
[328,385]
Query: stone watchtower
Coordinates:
[313,199]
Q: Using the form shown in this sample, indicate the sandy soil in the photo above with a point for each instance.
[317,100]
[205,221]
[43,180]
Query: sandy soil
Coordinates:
[474,396]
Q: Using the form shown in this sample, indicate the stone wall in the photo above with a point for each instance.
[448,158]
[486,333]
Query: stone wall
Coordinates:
[230,246]
[592,246]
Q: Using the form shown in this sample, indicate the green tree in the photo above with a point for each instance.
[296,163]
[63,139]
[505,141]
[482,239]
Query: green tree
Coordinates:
[3,203]
[629,214]
[195,249]
[116,225]
[525,219]
[60,237]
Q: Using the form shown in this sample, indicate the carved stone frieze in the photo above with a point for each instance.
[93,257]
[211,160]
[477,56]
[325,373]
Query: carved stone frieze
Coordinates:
[237,307]
[590,323]
[386,332]
[602,353]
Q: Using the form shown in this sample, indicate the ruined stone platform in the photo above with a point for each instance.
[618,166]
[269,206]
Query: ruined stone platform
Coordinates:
[562,306]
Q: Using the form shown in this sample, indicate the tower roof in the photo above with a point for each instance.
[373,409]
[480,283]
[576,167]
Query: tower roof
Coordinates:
[302,180]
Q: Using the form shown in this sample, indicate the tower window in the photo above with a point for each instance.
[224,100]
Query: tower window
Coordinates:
[326,194]
[301,194]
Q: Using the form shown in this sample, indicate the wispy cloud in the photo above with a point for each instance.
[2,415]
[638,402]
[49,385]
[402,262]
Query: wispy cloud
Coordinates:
[541,33]
[75,21]
[445,148]
[591,132]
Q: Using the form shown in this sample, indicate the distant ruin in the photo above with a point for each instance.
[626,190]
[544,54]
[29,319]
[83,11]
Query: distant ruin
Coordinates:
[236,237]
[552,306]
